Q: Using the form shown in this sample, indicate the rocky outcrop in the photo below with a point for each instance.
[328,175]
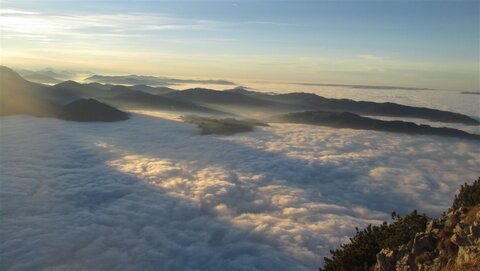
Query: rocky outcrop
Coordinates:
[451,242]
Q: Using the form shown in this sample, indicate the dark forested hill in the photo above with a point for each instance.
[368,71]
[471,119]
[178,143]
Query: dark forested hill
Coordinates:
[311,101]
[354,121]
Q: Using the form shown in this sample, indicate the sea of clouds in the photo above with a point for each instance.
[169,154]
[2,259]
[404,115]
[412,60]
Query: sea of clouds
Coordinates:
[151,193]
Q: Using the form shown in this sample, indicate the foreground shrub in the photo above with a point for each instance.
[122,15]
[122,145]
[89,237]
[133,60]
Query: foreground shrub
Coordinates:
[468,196]
[360,253]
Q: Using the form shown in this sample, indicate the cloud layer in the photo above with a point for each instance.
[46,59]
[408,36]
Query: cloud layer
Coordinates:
[151,193]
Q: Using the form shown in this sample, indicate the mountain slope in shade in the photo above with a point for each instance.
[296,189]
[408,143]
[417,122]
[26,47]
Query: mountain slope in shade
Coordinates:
[217,97]
[19,96]
[128,96]
[75,90]
[233,102]
[139,99]
[354,121]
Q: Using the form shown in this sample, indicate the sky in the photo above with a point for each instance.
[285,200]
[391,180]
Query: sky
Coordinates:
[432,44]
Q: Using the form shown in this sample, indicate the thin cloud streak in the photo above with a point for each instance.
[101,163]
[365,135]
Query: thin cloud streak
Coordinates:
[123,25]
[14,22]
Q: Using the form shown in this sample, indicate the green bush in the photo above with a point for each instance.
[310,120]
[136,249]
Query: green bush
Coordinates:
[360,253]
[468,196]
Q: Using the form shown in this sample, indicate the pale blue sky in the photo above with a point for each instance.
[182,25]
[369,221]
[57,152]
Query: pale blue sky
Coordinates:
[413,43]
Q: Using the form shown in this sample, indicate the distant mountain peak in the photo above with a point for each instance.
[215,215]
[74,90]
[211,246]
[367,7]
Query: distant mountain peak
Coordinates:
[68,83]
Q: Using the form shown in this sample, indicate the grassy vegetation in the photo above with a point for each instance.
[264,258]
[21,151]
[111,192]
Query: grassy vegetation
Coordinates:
[360,253]
[225,126]
[468,196]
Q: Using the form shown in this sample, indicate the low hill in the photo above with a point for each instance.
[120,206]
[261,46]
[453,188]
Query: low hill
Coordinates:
[91,110]
[222,126]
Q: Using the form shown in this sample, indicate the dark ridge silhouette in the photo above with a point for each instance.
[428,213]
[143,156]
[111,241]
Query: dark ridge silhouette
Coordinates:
[99,86]
[311,101]
[71,90]
[378,109]
[152,90]
[217,97]
[361,86]
[151,80]
[233,102]
[470,92]
[139,99]
[74,90]
[354,121]
[128,97]
[91,110]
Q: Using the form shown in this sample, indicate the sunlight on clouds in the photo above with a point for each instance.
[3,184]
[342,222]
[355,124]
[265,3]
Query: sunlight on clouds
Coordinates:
[292,216]
[158,114]
[279,213]
[281,196]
